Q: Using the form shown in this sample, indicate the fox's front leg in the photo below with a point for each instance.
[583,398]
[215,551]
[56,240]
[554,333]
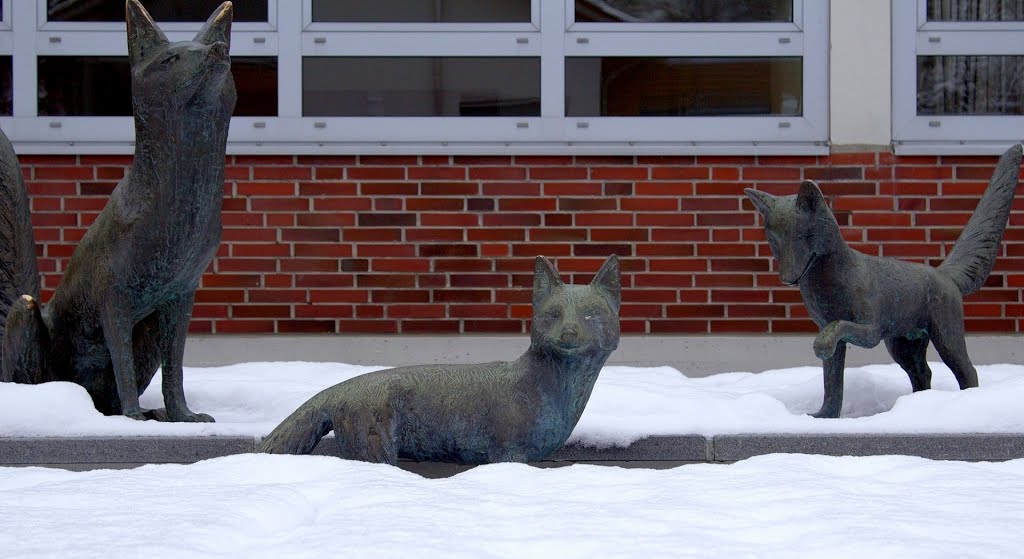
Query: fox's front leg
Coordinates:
[833,369]
[173,318]
[838,331]
[117,332]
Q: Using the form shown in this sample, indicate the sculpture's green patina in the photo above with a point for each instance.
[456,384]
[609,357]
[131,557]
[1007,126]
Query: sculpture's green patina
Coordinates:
[514,411]
[862,299]
[123,307]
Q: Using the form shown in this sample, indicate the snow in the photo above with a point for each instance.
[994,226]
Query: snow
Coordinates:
[627,403]
[311,506]
[314,506]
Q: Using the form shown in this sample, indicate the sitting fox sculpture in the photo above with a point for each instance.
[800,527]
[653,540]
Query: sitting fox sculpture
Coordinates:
[517,411]
[862,299]
[123,307]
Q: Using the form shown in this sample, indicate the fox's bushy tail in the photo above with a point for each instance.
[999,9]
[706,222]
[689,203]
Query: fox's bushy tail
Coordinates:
[971,259]
[300,432]
[18,272]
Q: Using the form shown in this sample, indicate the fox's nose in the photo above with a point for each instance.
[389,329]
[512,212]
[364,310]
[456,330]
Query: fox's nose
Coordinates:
[570,335]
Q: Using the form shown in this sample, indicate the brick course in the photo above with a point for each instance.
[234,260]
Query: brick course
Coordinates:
[439,244]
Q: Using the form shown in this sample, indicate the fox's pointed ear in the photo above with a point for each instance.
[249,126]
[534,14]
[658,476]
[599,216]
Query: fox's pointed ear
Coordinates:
[218,27]
[143,34]
[809,198]
[609,281]
[545,280]
[763,201]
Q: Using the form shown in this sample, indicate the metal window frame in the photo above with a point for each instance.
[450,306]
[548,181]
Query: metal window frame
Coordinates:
[551,35]
[912,36]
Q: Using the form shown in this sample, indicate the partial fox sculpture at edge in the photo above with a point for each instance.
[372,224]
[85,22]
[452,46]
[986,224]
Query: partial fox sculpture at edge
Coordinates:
[862,299]
[123,306]
[515,411]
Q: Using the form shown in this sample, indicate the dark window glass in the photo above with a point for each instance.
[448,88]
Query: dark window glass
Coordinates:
[6,94]
[975,10]
[161,10]
[84,86]
[970,85]
[101,86]
[420,86]
[420,11]
[635,86]
[256,82]
[694,11]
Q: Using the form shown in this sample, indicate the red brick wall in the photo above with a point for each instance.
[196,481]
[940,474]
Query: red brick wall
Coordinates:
[439,244]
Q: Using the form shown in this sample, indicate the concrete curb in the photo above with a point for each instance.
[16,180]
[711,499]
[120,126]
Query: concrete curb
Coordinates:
[87,453]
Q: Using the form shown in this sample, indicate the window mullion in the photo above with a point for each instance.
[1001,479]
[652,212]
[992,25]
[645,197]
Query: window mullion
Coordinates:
[24,88]
[552,61]
[289,52]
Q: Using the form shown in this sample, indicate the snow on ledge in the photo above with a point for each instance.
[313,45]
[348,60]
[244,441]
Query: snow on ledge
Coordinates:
[628,403]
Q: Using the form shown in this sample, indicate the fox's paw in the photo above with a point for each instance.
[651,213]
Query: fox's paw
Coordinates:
[824,347]
[190,417]
[136,414]
[184,416]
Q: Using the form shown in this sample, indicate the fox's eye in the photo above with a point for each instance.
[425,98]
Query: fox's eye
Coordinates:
[170,59]
[553,314]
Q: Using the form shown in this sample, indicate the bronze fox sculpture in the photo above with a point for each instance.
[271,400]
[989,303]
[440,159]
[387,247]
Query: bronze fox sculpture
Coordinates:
[862,299]
[123,307]
[517,411]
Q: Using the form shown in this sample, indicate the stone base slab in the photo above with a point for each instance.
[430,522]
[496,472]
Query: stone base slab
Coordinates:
[87,453]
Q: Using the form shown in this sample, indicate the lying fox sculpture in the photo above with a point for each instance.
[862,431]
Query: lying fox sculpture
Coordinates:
[123,307]
[861,299]
[517,411]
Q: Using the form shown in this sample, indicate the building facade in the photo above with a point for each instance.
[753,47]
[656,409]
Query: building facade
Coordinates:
[394,167]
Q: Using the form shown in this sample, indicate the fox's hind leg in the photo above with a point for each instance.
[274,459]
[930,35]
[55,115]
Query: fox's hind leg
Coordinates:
[911,354]
[947,334]
[367,435]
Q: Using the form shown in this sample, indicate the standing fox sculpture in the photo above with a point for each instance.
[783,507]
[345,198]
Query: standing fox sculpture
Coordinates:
[861,299]
[122,308]
[517,411]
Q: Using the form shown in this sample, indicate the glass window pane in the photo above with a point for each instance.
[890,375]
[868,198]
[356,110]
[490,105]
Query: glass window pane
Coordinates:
[420,86]
[975,10]
[970,85]
[84,86]
[636,86]
[695,11]
[6,95]
[101,86]
[161,10]
[256,82]
[419,11]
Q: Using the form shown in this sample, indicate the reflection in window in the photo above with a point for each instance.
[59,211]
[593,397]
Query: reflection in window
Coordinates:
[970,85]
[161,10]
[645,86]
[420,86]
[975,10]
[695,11]
[6,88]
[421,11]
[101,86]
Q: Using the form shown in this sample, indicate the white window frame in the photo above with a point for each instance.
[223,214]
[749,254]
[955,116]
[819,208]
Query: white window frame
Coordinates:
[912,36]
[552,35]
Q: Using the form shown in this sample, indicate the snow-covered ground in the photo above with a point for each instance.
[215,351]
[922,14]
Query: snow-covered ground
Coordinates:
[627,403]
[310,506]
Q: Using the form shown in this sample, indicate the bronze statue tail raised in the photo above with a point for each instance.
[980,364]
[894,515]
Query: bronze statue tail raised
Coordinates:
[19,274]
[974,253]
[301,431]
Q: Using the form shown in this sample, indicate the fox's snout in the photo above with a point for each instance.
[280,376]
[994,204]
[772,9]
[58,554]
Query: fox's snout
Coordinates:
[570,336]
